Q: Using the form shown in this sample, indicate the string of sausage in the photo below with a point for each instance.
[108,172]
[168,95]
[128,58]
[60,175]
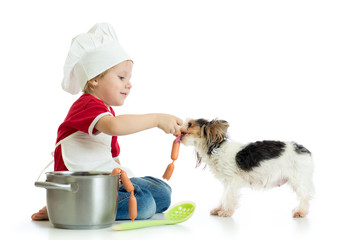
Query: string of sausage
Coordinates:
[129,188]
[174,155]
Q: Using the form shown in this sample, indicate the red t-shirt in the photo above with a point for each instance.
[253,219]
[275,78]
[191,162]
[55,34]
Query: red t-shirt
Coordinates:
[80,118]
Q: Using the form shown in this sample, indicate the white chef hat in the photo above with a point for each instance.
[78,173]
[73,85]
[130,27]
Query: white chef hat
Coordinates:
[90,54]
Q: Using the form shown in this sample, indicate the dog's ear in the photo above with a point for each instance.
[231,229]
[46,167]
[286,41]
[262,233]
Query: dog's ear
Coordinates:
[216,130]
[215,133]
[224,125]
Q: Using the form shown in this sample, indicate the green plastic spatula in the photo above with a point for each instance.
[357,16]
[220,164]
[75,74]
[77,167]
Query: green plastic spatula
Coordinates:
[177,214]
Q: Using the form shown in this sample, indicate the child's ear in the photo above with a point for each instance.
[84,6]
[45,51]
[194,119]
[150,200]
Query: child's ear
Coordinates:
[90,86]
[93,83]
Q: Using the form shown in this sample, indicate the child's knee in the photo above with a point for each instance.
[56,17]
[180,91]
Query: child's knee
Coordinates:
[163,200]
[146,209]
[159,190]
[162,196]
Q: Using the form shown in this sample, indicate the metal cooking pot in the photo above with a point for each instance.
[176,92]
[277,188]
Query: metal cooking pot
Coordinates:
[81,200]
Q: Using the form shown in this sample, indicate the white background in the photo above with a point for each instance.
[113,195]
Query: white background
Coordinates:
[282,70]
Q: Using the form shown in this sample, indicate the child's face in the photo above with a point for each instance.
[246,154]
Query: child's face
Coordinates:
[114,86]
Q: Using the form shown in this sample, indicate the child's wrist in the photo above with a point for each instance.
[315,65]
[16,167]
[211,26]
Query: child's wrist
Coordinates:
[155,119]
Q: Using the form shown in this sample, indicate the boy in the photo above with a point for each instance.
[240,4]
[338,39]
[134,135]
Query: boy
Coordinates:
[87,139]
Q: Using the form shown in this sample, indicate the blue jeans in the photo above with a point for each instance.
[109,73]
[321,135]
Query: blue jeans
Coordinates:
[152,195]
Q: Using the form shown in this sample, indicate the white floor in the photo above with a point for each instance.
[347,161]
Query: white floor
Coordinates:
[334,213]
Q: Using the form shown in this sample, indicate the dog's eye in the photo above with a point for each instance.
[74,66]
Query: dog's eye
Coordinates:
[189,125]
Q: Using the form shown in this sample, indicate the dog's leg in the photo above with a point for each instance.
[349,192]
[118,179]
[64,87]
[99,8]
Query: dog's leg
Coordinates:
[304,190]
[302,184]
[229,202]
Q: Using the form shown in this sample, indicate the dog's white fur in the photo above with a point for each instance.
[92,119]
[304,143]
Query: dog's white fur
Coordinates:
[291,167]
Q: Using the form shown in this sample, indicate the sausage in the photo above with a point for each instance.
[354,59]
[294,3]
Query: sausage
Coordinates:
[175,150]
[132,207]
[169,171]
[126,181]
[174,155]
[116,171]
[178,136]
[129,188]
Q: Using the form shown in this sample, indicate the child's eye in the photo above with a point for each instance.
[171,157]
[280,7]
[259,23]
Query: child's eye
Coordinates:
[122,78]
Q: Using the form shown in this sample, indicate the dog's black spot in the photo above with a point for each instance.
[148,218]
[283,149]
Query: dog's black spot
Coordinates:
[254,153]
[300,149]
[201,122]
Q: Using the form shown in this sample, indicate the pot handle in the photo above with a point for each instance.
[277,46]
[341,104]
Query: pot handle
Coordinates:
[56,186]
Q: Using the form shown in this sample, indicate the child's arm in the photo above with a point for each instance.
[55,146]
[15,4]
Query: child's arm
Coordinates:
[127,124]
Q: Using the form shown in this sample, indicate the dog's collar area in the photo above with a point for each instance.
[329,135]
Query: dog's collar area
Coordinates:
[215,146]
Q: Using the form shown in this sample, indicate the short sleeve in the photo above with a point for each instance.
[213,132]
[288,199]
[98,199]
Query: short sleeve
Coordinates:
[85,119]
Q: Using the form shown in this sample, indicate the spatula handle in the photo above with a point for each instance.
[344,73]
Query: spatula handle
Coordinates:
[138,224]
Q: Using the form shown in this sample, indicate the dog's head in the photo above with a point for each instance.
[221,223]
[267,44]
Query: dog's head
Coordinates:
[204,135]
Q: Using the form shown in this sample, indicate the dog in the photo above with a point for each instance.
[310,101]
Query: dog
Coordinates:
[258,165]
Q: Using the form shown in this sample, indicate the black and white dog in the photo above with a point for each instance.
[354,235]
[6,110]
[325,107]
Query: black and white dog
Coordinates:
[262,164]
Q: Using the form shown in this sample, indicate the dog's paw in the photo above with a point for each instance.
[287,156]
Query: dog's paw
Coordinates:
[299,213]
[222,212]
[225,213]
[216,211]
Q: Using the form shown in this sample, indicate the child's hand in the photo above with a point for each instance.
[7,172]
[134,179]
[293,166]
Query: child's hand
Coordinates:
[169,123]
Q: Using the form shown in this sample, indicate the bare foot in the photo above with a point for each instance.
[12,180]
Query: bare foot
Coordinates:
[40,215]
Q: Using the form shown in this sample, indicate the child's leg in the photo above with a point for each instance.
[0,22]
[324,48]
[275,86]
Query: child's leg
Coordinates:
[145,203]
[152,196]
[160,191]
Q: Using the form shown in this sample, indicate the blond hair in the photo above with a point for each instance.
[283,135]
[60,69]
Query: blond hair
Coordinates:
[89,84]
